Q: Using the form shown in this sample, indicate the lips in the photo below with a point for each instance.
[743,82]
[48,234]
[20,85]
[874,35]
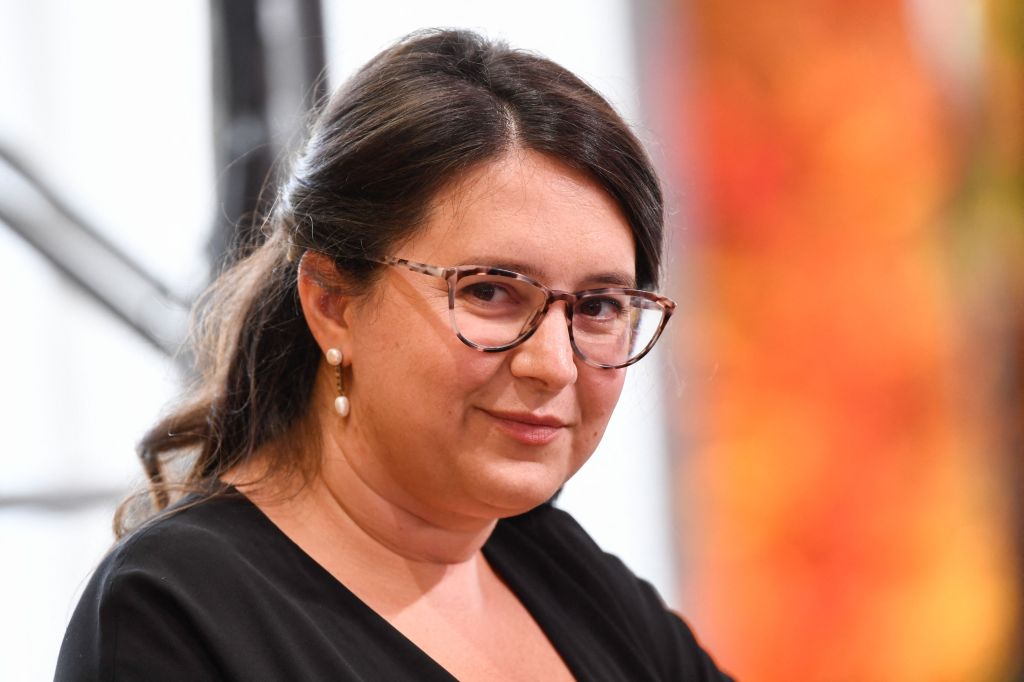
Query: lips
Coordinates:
[526,427]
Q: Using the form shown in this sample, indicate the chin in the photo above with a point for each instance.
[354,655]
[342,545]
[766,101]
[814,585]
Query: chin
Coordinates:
[517,492]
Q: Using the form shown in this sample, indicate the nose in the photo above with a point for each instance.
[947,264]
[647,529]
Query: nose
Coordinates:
[547,356]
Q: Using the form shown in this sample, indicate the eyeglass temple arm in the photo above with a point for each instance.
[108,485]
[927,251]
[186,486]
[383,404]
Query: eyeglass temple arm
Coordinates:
[422,268]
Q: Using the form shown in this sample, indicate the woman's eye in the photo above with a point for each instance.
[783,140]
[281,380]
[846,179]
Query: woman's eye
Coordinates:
[486,292]
[599,308]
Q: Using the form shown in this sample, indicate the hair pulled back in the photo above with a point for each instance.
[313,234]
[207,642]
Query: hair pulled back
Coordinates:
[415,118]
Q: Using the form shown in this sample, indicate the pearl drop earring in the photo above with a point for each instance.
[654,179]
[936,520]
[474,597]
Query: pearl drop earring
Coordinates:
[334,359]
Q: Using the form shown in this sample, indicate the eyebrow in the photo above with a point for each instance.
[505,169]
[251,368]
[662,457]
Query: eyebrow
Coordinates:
[608,278]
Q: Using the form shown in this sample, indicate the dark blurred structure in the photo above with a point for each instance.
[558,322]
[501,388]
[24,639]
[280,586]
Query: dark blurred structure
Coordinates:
[269,70]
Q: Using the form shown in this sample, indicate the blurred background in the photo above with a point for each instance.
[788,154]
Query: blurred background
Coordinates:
[821,468]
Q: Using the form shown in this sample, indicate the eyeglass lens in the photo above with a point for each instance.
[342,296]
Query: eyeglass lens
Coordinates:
[492,311]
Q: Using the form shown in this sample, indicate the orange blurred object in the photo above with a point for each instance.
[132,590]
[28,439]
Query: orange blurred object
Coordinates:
[846,514]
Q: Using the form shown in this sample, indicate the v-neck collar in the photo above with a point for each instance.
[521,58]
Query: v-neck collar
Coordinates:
[498,557]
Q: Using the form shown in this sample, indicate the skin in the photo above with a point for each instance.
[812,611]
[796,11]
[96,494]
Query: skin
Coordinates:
[443,440]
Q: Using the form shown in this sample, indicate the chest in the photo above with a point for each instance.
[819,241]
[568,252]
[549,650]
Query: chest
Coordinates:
[499,642]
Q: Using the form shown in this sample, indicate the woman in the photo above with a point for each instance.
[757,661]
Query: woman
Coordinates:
[395,382]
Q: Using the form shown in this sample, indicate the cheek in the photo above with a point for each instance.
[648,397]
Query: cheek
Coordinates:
[430,383]
[401,347]
[599,391]
[603,388]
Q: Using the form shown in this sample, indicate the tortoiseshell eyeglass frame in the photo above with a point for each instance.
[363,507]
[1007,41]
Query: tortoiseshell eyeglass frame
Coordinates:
[451,275]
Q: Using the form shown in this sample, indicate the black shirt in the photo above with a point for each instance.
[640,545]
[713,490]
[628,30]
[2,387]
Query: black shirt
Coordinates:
[217,591]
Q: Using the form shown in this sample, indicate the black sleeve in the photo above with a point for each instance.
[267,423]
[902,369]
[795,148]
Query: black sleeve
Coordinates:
[665,633]
[642,618]
[671,636]
[132,624]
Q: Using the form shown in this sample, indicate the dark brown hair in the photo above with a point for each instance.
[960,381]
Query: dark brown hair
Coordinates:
[415,118]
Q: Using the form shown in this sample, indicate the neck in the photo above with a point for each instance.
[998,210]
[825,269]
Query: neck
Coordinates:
[386,523]
[338,518]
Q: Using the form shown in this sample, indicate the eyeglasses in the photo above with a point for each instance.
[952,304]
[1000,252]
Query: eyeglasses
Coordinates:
[495,310]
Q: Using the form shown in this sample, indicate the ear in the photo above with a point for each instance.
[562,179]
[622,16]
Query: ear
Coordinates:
[328,311]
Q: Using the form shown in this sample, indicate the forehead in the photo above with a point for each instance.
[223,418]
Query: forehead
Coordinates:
[530,213]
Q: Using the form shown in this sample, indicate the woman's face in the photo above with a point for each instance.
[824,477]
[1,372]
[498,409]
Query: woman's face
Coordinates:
[440,428]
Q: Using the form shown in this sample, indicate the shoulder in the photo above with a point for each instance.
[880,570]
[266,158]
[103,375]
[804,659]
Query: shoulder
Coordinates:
[576,565]
[197,537]
[204,546]
[172,572]
[199,521]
